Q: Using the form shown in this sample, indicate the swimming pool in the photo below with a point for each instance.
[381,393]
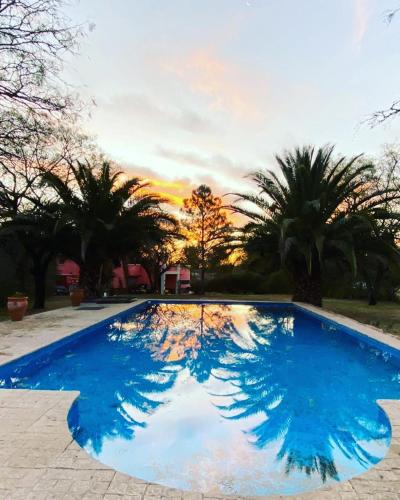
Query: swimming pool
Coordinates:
[248,399]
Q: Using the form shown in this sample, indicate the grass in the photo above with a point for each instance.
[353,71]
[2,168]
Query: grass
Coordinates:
[385,315]
[55,302]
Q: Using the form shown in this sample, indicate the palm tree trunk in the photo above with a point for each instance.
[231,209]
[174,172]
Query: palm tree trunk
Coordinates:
[308,286]
[88,279]
[373,282]
[39,278]
[39,273]
[372,300]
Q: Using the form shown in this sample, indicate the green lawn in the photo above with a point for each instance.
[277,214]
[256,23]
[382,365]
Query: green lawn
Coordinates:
[51,303]
[385,315]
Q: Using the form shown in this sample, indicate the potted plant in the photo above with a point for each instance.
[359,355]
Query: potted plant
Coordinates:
[77,295]
[17,306]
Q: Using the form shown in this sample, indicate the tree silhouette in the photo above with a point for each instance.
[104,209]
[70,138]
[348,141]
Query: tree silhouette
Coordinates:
[112,216]
[311,213]
[207,229]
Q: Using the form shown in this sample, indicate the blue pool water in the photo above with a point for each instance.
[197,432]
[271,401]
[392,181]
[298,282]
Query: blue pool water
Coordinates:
[232,398]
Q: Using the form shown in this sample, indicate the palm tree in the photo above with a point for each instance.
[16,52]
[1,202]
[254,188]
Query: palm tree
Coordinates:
[309,214]
[39,232]
[377,259]
[111,215]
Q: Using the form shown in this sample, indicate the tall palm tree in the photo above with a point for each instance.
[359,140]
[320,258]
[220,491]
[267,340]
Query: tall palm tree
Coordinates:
[110,214]
[308,213]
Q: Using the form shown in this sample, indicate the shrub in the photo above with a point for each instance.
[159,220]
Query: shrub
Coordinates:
[277,282]
[236,282]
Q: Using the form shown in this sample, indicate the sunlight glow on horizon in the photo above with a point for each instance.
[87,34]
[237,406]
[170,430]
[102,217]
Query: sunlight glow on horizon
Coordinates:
[188,94]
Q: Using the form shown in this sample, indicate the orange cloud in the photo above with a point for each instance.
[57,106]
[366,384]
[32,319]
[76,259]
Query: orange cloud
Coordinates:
[172,198]
[167,184]
[173,191]
[176,190]
[227,86]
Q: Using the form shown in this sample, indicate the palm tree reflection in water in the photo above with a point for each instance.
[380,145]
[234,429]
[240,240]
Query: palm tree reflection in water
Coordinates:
[195,336]
[301,393]
[298,403]
[260,358]
[153,346]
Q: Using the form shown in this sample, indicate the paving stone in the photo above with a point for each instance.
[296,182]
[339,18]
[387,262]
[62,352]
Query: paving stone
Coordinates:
[82,486]
[135,488]
[156,490]
[39,459]
[103,475]
[62,485]
[45,484]
[192,496]
[37,495]
[99,486]
[93,496]
[348,495]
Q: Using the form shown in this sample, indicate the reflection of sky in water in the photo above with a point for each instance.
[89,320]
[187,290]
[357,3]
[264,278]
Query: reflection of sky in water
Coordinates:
[225,398]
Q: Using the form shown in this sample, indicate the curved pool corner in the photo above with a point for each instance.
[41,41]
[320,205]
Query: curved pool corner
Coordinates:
[39,450]
[30,417]
[380,479]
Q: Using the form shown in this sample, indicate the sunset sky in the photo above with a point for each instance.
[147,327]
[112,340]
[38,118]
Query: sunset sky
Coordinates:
[205,91]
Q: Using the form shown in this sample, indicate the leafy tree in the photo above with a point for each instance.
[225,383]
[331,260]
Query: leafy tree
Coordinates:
[111,216]
[31,230]
[312,214]
[157,257]
[376,251]
[208,230]
[42,237]
[377,257]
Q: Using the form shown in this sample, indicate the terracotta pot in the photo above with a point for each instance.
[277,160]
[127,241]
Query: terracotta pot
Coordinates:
[17,307]
[77,295]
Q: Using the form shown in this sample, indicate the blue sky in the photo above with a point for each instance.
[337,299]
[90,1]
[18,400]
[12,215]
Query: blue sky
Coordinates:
[191,91]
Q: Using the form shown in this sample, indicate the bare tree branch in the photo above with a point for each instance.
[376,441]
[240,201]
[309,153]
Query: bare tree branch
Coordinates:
[34,38]
[381,116]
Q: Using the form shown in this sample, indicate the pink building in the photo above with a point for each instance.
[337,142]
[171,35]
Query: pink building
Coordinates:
[175,279]
[137,277]
[67,273]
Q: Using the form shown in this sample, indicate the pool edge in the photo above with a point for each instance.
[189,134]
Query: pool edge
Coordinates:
[31,342]
[52,460]
[375,336]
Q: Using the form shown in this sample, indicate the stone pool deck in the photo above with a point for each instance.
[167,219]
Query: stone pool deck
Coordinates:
[40,460]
